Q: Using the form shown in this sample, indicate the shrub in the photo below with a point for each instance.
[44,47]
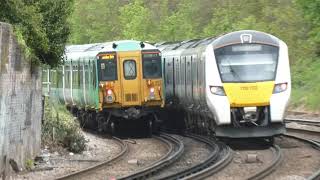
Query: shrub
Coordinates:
[60,128]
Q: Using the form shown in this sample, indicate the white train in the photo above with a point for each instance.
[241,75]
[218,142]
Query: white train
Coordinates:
[237,85]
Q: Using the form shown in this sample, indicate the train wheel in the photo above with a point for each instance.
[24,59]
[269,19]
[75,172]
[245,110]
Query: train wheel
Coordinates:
[113,129]
[91,122]
[270,140]
[150,127]
[156,124]
[100,119]
[80,116]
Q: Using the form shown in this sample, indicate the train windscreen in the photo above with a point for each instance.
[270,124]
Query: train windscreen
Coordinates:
[247,62]
[107,68]
[151,65]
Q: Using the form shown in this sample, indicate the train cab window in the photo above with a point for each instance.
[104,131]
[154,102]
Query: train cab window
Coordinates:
[151,66]
[107,70]
[247,62]
[130,71]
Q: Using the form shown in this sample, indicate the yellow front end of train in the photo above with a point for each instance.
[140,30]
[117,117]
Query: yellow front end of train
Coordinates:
[135,80]
[249,94]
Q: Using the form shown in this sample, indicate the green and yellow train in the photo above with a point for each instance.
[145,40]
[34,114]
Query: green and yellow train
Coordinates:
[106,83]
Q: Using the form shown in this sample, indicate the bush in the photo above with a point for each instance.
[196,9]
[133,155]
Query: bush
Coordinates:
[60,128]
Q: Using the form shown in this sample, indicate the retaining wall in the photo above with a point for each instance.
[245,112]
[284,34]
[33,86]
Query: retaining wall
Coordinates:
[20,104]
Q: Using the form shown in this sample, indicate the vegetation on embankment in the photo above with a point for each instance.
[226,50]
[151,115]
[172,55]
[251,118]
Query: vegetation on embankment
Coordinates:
[306,86]
[60,128]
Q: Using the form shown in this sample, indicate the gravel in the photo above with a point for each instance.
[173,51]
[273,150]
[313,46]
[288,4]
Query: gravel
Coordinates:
[61,163]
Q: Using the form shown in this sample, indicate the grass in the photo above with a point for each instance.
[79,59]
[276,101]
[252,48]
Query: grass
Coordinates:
[306,85]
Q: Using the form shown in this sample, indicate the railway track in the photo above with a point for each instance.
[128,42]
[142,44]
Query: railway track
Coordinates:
[75,175]
[213,164]
[311,133]
[316,175]
[176,149]
[278,157]
[303,121]
[220,156]
[306,135]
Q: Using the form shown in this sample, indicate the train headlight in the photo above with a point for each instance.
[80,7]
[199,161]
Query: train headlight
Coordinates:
[217,90]
[151,95]
[278,88]
[152,90]
[109,92]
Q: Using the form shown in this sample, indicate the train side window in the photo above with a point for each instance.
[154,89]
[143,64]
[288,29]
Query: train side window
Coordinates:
[60,76]
[129,67]
[67,77]
[81,76]
[86,74]
[94,75]
[74,77]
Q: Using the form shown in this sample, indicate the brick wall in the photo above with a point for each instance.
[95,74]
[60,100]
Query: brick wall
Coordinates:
[20,103]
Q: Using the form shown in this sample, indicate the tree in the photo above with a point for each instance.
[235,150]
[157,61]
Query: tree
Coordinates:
[179,25]
[95,21]
[311,9]
[41,25]
[135,20]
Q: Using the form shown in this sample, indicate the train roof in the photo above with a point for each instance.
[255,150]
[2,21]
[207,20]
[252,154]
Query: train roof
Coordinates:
[220,41]
[246,36]
[84,51]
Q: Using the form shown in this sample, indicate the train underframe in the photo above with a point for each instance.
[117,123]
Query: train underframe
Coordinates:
[244,123]
[115,121]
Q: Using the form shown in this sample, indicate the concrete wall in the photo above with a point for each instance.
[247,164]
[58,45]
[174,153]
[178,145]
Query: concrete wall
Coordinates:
[20,103]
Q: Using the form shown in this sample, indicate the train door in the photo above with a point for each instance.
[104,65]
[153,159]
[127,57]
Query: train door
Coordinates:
[130,77]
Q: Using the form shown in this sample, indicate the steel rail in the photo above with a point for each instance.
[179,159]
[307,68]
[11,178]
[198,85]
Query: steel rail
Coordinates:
[224,158]
[175,152]
[75,175]
[200,166]
[303,121]
[278,157]
[316,175]
[303,131]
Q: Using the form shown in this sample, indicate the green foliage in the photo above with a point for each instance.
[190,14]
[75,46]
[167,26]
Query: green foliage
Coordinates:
[95,21]
[311,9]
[179,25]
[306,85]
[41,26]
[61,128]
[29,164]
[135,21]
